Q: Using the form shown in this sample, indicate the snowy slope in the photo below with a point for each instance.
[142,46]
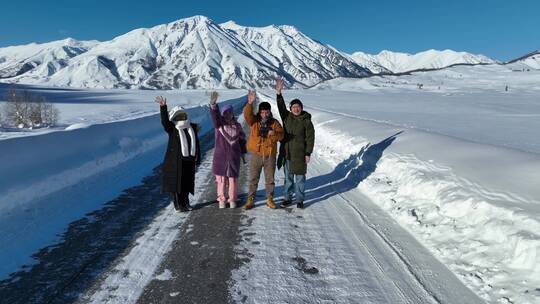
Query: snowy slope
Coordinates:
[290,50]
[527,62]
[394,62]
[468,102]
[41,60]
[196,52]
[452,82]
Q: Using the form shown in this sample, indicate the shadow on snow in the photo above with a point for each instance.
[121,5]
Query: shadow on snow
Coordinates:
[346,176]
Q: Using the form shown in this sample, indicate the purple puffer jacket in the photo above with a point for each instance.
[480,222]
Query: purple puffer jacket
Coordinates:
[229,139]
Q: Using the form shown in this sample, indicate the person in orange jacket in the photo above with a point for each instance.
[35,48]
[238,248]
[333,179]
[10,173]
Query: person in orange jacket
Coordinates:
[265,132]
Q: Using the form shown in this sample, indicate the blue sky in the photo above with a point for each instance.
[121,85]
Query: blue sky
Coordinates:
[499,29]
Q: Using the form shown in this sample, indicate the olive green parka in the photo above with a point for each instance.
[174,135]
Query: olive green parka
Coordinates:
[298,140]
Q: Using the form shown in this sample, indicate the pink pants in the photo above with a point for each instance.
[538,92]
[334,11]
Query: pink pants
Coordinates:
[222,181]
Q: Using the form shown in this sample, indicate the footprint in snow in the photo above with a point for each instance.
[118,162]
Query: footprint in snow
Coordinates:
[302,265]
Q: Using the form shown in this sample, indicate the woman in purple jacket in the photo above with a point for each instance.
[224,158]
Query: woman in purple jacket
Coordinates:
[230,142]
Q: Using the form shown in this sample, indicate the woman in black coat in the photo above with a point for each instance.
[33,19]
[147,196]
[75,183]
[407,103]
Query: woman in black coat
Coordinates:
[182,156]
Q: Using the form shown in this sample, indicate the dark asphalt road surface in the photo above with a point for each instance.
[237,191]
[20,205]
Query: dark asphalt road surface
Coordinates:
[88,248]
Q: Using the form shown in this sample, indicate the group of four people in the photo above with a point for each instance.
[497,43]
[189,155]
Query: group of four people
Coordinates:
[296,139]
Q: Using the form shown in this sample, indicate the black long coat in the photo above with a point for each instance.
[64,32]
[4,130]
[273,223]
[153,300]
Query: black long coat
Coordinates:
[178,171]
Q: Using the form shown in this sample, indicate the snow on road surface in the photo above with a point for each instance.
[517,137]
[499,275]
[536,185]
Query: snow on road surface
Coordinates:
[340,249]
[126,281]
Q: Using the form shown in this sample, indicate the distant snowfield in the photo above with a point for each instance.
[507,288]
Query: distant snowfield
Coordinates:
[462,177]
[465,102]
[80,108]
[387,61]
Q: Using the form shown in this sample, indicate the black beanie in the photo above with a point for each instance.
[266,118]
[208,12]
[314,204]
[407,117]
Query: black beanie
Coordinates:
[264,106]
[296,101]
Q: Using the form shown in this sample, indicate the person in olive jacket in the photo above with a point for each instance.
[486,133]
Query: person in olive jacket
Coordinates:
[182,156]
[295,148]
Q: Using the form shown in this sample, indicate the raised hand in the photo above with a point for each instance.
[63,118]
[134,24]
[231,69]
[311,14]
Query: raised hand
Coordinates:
[161,100]
[279,86]
[252,95]
[213,97]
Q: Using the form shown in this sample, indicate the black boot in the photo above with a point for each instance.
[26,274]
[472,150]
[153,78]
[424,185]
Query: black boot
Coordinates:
[300,205]
[175,201]
[285,203]
[184,203]
[187,206]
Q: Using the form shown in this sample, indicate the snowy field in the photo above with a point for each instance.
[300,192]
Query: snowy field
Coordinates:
[460,174]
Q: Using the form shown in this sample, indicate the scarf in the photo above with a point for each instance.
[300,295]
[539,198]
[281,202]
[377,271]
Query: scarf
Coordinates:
[230,133]
[181,126]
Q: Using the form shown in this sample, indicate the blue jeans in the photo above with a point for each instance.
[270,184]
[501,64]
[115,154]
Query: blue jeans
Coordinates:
[293,181]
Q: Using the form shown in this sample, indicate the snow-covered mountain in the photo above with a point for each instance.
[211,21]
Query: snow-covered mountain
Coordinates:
[194,52]
[527,62]
[293,52]
[41,59]
[394,62]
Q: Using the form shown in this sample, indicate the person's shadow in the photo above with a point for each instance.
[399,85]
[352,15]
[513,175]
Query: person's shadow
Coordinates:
[348,174]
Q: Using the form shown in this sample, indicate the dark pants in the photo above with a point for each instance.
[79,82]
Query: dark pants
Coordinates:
[187,182]
[180,199]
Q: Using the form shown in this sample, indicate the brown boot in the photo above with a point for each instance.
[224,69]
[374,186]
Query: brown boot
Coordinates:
[250,203]
[270,203]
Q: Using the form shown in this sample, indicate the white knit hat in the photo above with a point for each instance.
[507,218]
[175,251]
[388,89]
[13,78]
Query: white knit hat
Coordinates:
[175,111]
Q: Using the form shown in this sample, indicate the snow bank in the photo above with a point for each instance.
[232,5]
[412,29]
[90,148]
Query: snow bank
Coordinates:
[50,180]
[474,206]
[41,165]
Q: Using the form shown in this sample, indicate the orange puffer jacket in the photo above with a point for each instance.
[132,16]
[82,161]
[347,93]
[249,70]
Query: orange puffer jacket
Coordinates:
[263,146]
